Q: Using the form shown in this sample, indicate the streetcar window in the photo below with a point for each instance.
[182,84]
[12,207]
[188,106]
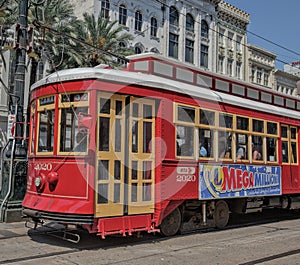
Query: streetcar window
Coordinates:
[104,105]
[257,147]
[102,193]
[185,140]
[225,120]
[206,140]
[293,139]
[117,192]
[134,170]
[241,146]
[147,111]
[119,107]
[71,139]
[147,136]
[294,153]
[207,117]
[293,133]
[103,170]
[258,126]
[224,144]
[104,134]
[147,169]
[134,192]
[186,114]
[147,191]
[242,123]
[117,170]
[135,134]
[118,135]
[46,131]
[271,149]
[135,109]
[272,128]
[285,151]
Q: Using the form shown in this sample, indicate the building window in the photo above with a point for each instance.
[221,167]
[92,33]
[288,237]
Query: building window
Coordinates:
[258,76]
[189,23]
[239,44]
[229,67]
[138,21]
[105,6]
[266,78]
[174,16]
[238,70]
[220,64]
[137,50]
[122,15]
[153,27]
[204,29]
[189,51]
[204,56]
[230,41]
[221,37]
[173,45]
[252,74]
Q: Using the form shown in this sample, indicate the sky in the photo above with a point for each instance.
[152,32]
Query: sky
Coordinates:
[277,21]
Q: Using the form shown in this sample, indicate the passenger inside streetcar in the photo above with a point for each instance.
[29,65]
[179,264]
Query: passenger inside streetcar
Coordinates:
[81,140]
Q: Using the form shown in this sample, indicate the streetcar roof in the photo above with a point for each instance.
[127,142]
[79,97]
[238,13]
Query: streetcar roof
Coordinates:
[153,81]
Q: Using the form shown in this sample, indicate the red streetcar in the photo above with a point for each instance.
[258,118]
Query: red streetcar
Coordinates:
[159,146]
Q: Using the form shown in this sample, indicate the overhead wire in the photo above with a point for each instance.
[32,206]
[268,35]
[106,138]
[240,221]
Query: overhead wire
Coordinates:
[247,31]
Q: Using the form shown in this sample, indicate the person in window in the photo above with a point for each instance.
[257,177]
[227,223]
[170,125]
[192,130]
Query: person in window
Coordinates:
[240,153]
[256,155]
[81,140]
[203,149]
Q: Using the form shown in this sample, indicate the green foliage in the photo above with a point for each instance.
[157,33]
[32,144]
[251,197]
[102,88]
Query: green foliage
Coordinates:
[106,36]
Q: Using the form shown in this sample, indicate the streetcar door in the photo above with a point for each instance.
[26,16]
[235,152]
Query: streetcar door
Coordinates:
[141,156]
[125,156]
[109,184]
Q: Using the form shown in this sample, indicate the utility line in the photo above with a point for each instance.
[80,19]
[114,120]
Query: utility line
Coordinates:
[38,24]
[278,45]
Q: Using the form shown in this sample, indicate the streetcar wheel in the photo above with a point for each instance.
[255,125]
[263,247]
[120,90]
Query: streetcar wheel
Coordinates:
[171,224]
[221,214]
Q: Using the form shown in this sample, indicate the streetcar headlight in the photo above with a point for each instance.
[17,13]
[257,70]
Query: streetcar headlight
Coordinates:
[37,182]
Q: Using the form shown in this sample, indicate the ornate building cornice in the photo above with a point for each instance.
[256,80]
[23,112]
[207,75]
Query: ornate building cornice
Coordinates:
[232,15]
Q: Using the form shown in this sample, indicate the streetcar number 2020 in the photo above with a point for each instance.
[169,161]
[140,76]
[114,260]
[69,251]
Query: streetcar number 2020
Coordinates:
[185,178]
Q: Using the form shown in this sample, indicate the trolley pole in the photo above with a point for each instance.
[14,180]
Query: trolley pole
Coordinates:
[14,159]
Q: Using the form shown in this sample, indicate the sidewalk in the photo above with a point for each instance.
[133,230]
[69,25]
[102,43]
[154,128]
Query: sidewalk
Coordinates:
[12,229]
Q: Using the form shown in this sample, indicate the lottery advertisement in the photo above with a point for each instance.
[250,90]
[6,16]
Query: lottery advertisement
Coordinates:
[232,181]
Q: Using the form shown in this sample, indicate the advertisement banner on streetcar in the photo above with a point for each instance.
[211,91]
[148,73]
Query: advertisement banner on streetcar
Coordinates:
[231,181]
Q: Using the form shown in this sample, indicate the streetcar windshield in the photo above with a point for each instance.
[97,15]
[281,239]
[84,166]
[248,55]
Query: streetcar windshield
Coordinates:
[46,131]
[72,137]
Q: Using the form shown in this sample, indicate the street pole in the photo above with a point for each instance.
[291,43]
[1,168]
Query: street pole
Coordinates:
[14,164]
[20,69]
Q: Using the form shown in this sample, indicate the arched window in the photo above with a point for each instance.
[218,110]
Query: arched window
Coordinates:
[204,29]
[174,16]
[138,50]
[155,50]
[122,15]
[105,6]
[153,27]
[138,21]
[189,23]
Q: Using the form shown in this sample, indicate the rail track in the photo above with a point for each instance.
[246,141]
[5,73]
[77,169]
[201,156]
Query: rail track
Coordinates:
[43,243]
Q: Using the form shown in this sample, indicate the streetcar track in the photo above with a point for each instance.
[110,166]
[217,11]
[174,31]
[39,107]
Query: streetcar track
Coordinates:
[272,257]
[40,256]
[114,242]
